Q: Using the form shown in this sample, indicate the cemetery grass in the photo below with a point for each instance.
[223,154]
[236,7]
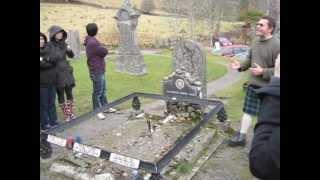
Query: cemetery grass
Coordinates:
[121,84]
[236,96]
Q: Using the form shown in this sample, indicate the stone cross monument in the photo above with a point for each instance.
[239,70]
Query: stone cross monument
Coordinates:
[130,60]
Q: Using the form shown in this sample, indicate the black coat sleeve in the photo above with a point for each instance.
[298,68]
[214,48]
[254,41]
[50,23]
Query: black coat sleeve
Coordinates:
[264,157]
[45,63]
[48,60]
[70,53]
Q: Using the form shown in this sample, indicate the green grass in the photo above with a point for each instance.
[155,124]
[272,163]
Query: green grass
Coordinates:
[235,103]
[166,52]
[121,84]
[184,167]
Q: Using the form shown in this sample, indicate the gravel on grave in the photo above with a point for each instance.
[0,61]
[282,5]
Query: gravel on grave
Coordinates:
[119,133]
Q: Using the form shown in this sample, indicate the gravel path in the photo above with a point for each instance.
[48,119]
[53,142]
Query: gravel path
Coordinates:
[227,163]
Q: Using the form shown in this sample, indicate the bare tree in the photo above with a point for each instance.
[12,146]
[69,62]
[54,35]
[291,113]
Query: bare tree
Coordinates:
[214,12]
[147,6]
[211,12]
[274,11]
[196,11]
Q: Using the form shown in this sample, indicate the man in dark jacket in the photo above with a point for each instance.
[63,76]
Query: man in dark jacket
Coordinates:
[264,155]
[96,64]
[65,79]
[48,115]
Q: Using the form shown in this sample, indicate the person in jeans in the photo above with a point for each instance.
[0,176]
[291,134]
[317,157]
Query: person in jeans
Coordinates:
[65,79]
[95,60]
[48,114]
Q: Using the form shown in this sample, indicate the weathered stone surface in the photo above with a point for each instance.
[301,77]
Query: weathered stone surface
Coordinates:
[190,57]
[187,79]
[121,134]
[74,41]
[193,150]
[130,60]
[202,146]
[77,174]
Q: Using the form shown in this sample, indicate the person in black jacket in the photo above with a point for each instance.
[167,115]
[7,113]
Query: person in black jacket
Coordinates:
[48,114]
[264,157]
[65,78]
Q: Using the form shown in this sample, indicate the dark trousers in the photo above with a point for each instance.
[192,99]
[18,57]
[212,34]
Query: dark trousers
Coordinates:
[65,90]
[99,97]
[48,114]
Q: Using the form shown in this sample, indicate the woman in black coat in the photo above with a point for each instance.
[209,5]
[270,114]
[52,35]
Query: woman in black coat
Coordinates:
[65,78]
[48,114]
[264,155]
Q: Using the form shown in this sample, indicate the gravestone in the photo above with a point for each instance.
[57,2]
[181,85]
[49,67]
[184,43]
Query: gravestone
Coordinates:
[130,60]
[189,76]
[188,79]
[74,41]
[189,59]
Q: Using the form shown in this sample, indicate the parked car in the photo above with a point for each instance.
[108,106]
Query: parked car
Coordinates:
[233,50]
[242,56]
[224,41]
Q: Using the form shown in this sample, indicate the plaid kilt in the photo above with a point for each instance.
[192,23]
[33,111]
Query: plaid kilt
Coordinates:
[222,115]
[252,102]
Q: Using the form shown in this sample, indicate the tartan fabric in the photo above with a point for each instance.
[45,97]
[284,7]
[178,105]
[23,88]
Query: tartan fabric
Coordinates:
[252,102]
[222,115]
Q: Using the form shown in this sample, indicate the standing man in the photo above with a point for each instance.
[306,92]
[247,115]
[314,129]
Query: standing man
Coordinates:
[96,64]
[261,61]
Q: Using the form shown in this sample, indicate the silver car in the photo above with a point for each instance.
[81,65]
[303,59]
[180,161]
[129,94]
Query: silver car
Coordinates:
[242,56]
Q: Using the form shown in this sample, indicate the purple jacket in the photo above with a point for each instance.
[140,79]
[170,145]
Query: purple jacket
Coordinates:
[95,55]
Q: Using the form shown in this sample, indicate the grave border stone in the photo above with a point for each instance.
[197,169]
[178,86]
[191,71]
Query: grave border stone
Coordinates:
[152,167]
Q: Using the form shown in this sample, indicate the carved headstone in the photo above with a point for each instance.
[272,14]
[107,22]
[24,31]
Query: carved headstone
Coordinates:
[74,41]
[180,83]
[188,77]
[130,60]
[189,56]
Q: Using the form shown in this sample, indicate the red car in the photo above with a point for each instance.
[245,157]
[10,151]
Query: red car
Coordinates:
[232,50]
[224,41]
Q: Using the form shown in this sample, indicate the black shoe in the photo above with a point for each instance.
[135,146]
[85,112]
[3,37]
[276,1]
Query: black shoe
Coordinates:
[46,127]
[238,139]
[54,124]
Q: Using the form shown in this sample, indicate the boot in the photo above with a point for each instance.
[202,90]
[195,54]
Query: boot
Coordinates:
[238,139]
[64,109]
[45,127]
[70,110]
